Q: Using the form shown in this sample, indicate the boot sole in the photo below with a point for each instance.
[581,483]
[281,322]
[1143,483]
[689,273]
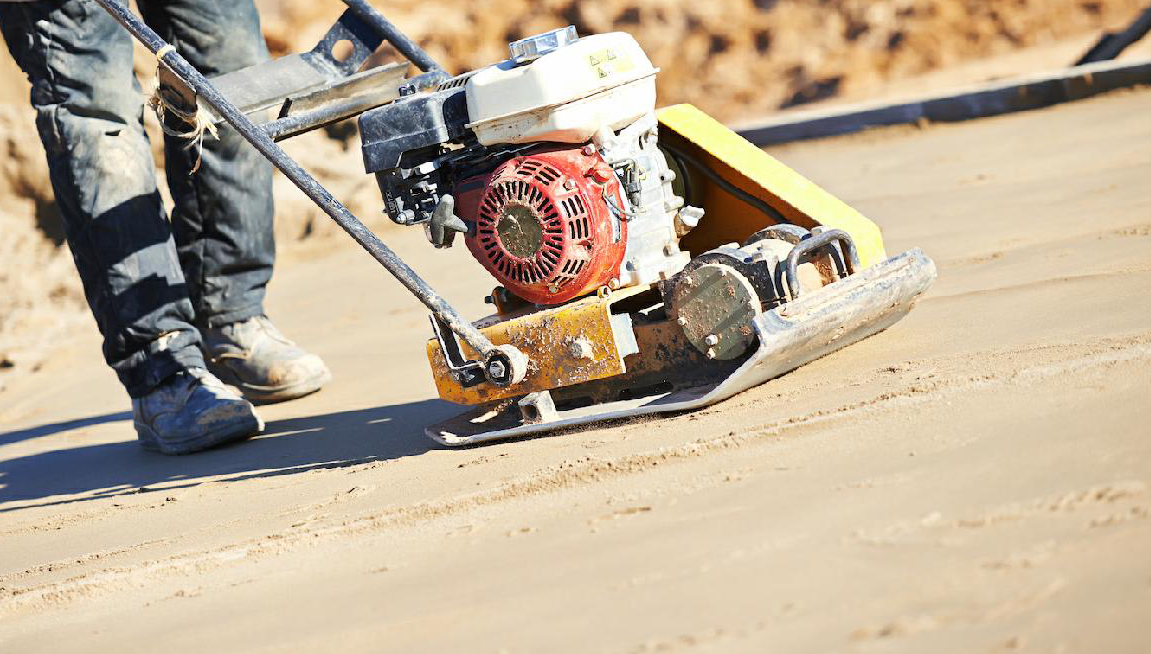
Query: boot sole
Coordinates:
[241,430]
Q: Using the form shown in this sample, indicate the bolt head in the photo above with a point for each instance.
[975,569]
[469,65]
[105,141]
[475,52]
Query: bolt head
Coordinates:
[712,340]
[682,321]
[497,369]
[711,353]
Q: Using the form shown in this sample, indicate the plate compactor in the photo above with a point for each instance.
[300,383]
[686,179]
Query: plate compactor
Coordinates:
[648,261]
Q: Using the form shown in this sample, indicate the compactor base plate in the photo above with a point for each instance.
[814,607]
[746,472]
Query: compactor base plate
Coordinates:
[810,327]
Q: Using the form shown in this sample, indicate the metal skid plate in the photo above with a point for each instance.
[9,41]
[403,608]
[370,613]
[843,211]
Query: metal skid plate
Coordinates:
[810,327]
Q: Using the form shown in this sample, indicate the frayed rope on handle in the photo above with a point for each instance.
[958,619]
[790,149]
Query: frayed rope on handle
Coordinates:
[199,123]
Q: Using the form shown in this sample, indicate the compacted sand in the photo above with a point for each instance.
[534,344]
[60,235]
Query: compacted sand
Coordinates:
[974,479]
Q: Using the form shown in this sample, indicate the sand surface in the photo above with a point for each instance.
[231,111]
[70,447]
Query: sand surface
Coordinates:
[974,479]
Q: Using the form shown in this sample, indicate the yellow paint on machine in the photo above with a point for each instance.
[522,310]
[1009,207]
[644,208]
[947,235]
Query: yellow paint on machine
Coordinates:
[566,345]
[729,219]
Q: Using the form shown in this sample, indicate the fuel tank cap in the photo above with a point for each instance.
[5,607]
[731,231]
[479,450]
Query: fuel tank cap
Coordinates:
[534,47]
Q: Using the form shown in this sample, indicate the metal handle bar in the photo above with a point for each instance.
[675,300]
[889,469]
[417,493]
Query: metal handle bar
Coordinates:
[398,39]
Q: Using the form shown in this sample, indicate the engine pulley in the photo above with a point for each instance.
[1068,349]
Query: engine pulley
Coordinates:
[544,224]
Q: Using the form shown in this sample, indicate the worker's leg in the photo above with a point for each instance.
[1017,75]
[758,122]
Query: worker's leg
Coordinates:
[223,214]
[88,112]
[222,217]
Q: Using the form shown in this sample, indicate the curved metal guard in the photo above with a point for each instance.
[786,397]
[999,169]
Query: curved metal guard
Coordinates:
[810,246]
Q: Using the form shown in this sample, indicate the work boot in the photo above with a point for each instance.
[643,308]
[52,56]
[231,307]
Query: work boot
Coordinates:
[256,358]
[192,411]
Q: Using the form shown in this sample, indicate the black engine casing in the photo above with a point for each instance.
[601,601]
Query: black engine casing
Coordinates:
[412,124]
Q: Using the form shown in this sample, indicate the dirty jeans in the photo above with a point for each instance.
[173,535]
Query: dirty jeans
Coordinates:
[151,283]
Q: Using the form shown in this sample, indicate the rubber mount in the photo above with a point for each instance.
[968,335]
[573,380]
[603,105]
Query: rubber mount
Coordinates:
[505,366]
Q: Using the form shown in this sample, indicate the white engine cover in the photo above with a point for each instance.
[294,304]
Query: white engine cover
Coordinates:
[565,96]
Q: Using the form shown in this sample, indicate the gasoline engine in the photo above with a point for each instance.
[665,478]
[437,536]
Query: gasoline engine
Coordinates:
[549,164]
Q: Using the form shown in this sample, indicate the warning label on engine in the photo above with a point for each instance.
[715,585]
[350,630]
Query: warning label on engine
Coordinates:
[606,63]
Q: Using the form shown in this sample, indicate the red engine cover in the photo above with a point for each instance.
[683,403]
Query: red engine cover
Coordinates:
[542,225]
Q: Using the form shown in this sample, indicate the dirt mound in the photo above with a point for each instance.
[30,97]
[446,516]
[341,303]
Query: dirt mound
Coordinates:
[735,58]
[39,291]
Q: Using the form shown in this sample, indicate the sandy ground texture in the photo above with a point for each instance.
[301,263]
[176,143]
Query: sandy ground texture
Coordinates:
[974,479]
